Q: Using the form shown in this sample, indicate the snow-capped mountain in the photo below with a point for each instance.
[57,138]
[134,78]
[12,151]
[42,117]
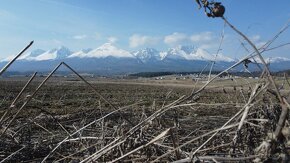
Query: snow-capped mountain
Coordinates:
[277,59]
[58,53]
[107,50]
[272,60]
[179,52]
[9,58]
[184,52]
[192,53]
[35,53]
[81,54]
[109,59]
[147,54]
[31,55]
[28,56]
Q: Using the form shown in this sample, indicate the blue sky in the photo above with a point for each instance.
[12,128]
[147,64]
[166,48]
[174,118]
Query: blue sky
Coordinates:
[135,24]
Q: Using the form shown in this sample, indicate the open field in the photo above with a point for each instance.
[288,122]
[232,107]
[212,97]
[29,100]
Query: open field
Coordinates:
[68,121]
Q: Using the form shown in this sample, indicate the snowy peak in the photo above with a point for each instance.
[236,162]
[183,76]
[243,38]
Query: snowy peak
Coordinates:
[109,59]
[31,55]
[107,50]
[28,56]
[80,54]
[204,55]
[35,53]
[59,53]
[182,52]
[147,54]
[192,53]
[144,55]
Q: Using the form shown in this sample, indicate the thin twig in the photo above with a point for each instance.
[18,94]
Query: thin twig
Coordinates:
[12,154]
[14,59]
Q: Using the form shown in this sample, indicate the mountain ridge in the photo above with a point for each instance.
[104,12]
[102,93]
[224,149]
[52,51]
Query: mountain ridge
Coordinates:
[109,59]
[187,52]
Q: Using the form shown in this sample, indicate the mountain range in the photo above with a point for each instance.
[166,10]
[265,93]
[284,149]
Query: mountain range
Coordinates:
[108,59]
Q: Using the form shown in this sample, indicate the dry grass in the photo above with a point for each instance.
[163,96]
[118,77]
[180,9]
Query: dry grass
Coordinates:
[67,121]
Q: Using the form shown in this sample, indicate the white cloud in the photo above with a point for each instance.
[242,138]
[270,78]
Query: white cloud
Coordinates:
[205,39]
[202,37]
[255,38]
[175,38]
[139,40]
[112,39]
[80,37]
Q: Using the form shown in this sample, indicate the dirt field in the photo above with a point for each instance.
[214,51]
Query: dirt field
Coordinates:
[64,106]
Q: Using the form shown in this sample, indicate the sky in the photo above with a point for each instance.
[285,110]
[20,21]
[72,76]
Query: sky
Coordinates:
[136,24]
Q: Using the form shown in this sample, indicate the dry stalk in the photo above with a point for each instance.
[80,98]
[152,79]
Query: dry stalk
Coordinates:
[107,148]
[217,158]
[219,49]
[247,107]
[70,155]
[260,57]
[161,135]
[30,97]
[195,139]
[131,131]
[12,154]
[286,78]
[89,124]
[175,143]
[17,97]
[254,94]
[37,124]
[284,113]
[14,59]
[92,87]
[22,90]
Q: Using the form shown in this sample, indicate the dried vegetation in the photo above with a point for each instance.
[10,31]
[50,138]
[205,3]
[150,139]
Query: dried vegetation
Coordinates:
[77,121]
